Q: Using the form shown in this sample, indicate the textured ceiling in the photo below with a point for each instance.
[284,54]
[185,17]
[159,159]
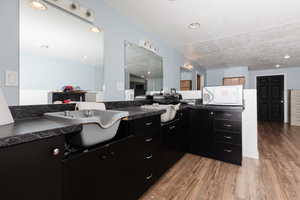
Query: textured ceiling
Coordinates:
[254,33]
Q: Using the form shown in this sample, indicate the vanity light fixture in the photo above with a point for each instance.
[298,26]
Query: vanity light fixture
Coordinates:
[277,66]
[38,5]
[287,56]
[95,29]
[194,26]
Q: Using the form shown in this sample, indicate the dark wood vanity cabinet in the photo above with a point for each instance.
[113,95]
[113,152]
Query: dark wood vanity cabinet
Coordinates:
[108,172]
[201,138]
[216,134]
[174,141]
[32,170]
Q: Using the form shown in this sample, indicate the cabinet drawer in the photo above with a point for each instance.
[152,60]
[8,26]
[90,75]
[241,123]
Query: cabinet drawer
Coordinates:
[231,138]
[228,115]
[227,125]
[228,152]
[147,126]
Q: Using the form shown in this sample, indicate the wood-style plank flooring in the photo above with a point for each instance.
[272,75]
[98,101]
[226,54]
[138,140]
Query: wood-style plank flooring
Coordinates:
[275,176]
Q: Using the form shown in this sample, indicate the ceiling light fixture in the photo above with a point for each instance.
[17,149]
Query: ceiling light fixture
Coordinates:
[95,29]
[287,56]
[277,66]
[39,5]
[194,25]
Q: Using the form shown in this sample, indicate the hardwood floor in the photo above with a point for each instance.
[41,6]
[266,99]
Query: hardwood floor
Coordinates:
[275,176]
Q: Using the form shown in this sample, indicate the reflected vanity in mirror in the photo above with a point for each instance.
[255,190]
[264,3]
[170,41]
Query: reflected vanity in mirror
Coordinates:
[143,71]
[58,49]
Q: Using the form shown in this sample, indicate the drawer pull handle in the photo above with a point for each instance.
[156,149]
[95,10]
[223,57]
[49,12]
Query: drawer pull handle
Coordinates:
[56,152]
[172,127]
[228,137]
[148,139]
[149,177]
[228,150]
[228,114]
[149,123]
[149,157]
[228,125]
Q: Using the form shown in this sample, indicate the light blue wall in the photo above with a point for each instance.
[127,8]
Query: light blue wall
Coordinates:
[215,77]
[116,28]
[9,46]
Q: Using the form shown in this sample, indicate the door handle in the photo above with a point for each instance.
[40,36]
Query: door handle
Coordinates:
[228,150]
[148,140]
[228,137]
[149,123]
[281,101]
[149,157]
[228,125]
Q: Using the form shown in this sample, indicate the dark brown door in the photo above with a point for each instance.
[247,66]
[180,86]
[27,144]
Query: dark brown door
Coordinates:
[270,95]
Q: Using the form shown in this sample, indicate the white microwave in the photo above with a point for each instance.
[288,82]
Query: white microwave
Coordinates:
[223,95]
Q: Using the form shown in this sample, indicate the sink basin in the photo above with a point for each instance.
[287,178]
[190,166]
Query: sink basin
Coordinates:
[98,125]
[170,113]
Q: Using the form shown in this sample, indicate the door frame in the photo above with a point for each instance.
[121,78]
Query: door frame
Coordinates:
[201,81]
[285,92]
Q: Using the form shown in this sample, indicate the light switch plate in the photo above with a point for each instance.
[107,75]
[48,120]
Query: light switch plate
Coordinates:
[11,78]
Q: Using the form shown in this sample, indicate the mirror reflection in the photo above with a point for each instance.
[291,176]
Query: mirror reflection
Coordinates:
[143,71]
[58,49]
[190,79]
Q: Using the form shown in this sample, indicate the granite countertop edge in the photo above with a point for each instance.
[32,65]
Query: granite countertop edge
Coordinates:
[38,135]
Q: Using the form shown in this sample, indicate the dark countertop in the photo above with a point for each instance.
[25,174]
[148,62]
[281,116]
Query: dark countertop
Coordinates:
[34,129]
[29,130]
[214,107]
[138,112]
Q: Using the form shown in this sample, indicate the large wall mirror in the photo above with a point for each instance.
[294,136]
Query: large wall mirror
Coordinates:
[57,49]
[143,70]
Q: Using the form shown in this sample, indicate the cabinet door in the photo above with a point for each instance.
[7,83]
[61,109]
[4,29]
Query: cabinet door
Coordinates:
[201,138]
[32,170]
[108,172]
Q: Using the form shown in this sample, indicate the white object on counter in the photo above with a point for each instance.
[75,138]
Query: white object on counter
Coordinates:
[191,94]
[129,95]
[5,114]
[223,95]
[94,96]
[170,113]
[89,106]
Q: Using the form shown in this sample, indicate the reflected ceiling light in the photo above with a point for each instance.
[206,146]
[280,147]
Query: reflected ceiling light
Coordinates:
[194,25]
[277,66]
[149,72]
[38,4]
[287,56]
[44,46]
[188,66]
[95,29]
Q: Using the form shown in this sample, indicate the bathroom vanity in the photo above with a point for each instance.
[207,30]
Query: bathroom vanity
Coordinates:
[40,165]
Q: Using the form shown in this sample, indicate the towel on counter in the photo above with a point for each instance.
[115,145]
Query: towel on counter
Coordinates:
[90,106]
